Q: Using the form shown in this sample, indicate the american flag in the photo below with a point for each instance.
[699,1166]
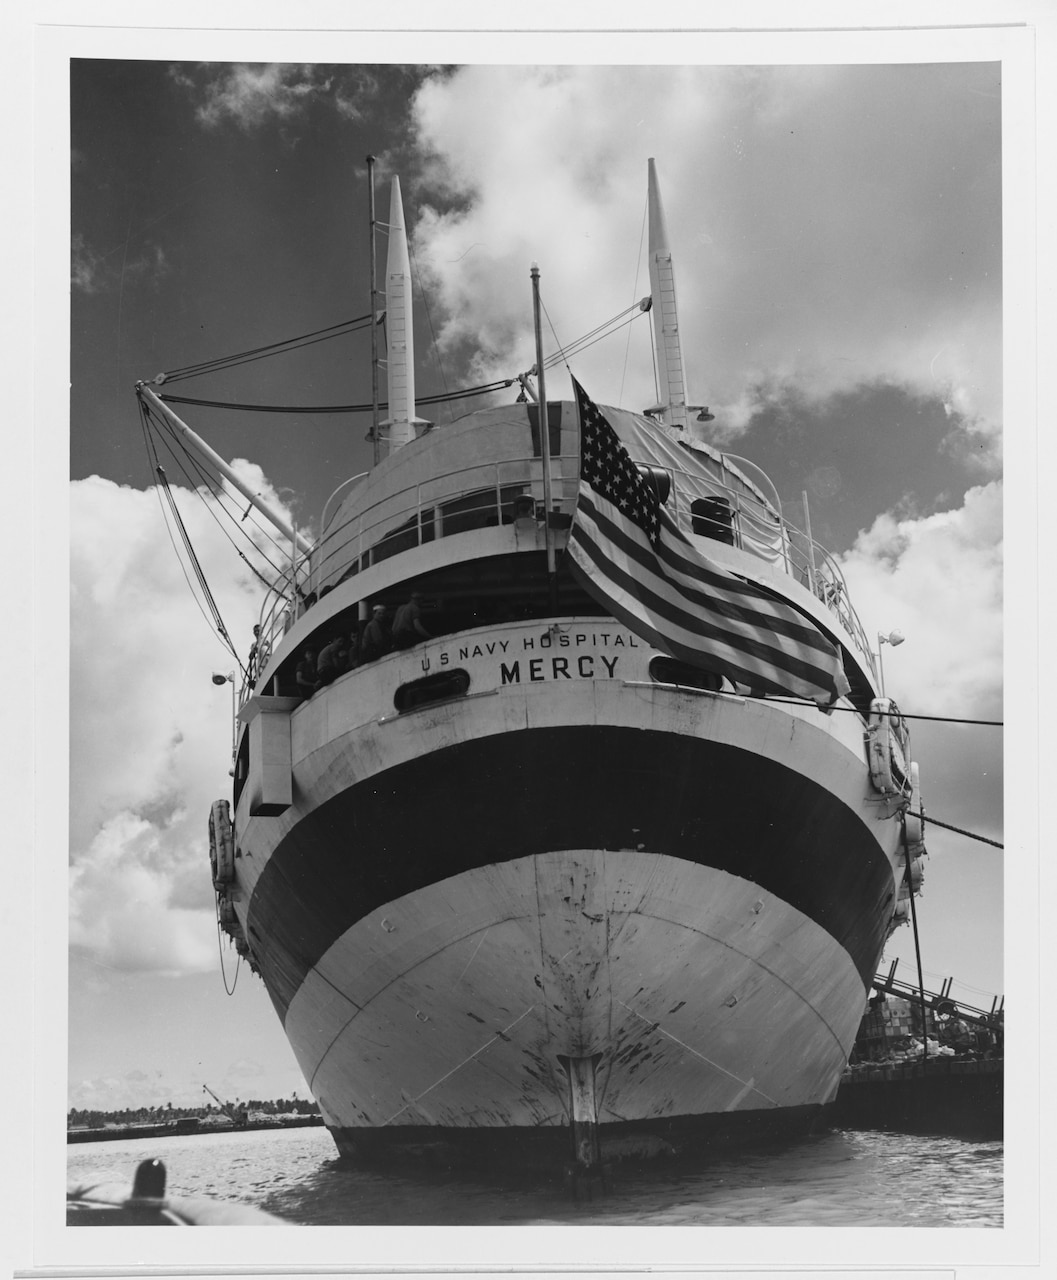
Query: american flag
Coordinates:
[627,551]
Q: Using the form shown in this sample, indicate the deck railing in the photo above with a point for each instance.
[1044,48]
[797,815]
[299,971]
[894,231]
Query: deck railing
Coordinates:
[497,493]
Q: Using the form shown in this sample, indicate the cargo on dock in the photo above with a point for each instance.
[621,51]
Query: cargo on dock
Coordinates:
[924,1063]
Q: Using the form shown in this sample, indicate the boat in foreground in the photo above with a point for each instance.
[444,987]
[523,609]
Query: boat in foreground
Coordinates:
[536,885]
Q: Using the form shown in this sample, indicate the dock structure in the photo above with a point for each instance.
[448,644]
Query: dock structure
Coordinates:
[959,1098]
[924,1063]
[941,1002]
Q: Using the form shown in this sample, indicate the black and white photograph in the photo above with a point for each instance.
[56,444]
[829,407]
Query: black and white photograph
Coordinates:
[538,644]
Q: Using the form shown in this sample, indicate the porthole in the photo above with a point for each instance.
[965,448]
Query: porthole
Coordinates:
[435,688]
[669,671]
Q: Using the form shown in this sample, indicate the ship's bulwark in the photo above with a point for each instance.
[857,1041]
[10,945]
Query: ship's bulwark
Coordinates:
[704,922]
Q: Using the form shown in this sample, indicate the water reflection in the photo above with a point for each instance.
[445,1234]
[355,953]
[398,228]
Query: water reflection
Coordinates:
[840,1179]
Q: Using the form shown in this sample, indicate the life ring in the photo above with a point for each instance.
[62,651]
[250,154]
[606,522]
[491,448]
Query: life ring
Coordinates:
[221,844]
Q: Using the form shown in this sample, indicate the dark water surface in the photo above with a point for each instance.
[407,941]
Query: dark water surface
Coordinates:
[839,1179]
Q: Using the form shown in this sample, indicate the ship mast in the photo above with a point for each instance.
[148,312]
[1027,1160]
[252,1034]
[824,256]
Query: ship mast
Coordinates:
[374,313]
[400,364]
[671,384]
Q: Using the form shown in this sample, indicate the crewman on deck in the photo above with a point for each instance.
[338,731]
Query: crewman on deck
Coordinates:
[408,629]
[377,637]
[306,676]
[333,660]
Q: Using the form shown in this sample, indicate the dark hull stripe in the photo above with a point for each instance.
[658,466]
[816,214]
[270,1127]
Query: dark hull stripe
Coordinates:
[581,787]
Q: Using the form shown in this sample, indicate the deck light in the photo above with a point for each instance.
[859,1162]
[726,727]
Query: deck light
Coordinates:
[893,638]
[220,679]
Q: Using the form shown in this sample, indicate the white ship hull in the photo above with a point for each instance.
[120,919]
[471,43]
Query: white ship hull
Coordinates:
[531,880]
[688,891]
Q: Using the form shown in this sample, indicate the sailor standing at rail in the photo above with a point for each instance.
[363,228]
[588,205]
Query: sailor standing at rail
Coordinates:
[332,661]
[408,628]
[377,638]
[305,675]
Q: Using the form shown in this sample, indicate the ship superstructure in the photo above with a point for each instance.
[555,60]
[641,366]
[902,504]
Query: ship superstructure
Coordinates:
[531,880]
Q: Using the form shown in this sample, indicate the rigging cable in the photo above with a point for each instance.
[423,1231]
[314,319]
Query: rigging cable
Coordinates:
[259,353]
[635,290]
[589,339]
[485,389]
[965,986]
[905,715]
[199,573]
[221,494]
[558,357]
[167,434]
[605,330]
[947,827]
[153,457]
[224,498]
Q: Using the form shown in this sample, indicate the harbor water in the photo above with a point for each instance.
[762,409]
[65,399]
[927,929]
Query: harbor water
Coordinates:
[839,1179]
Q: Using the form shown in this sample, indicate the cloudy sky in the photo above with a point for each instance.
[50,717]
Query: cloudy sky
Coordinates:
[837,232]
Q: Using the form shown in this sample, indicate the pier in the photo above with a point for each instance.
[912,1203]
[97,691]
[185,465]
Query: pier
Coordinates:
[924,1062]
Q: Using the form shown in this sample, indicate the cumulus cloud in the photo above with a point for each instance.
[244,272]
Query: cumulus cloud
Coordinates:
[151,263]
[831,227]
[250,95]
[939,581]
[121,891]
[92,272]
[149,731]
[354,89]
[86,266]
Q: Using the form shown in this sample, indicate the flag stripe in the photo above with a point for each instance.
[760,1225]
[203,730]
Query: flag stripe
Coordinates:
[629,554]
[646,601]
[755,654]
[753,610]
[625,608]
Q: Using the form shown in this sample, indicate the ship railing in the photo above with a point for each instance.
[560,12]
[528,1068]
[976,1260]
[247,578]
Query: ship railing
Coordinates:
[449,502]
[495,493]
[754,525]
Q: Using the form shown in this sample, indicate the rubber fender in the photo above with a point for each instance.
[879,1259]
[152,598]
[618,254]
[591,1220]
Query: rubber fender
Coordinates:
[915,824]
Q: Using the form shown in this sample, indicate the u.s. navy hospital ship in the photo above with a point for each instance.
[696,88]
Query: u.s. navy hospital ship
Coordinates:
[533,884]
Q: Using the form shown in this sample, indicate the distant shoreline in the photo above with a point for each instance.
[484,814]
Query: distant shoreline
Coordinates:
[184,1128]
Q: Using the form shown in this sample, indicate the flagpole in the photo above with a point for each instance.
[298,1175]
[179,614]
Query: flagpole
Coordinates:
[545,441]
